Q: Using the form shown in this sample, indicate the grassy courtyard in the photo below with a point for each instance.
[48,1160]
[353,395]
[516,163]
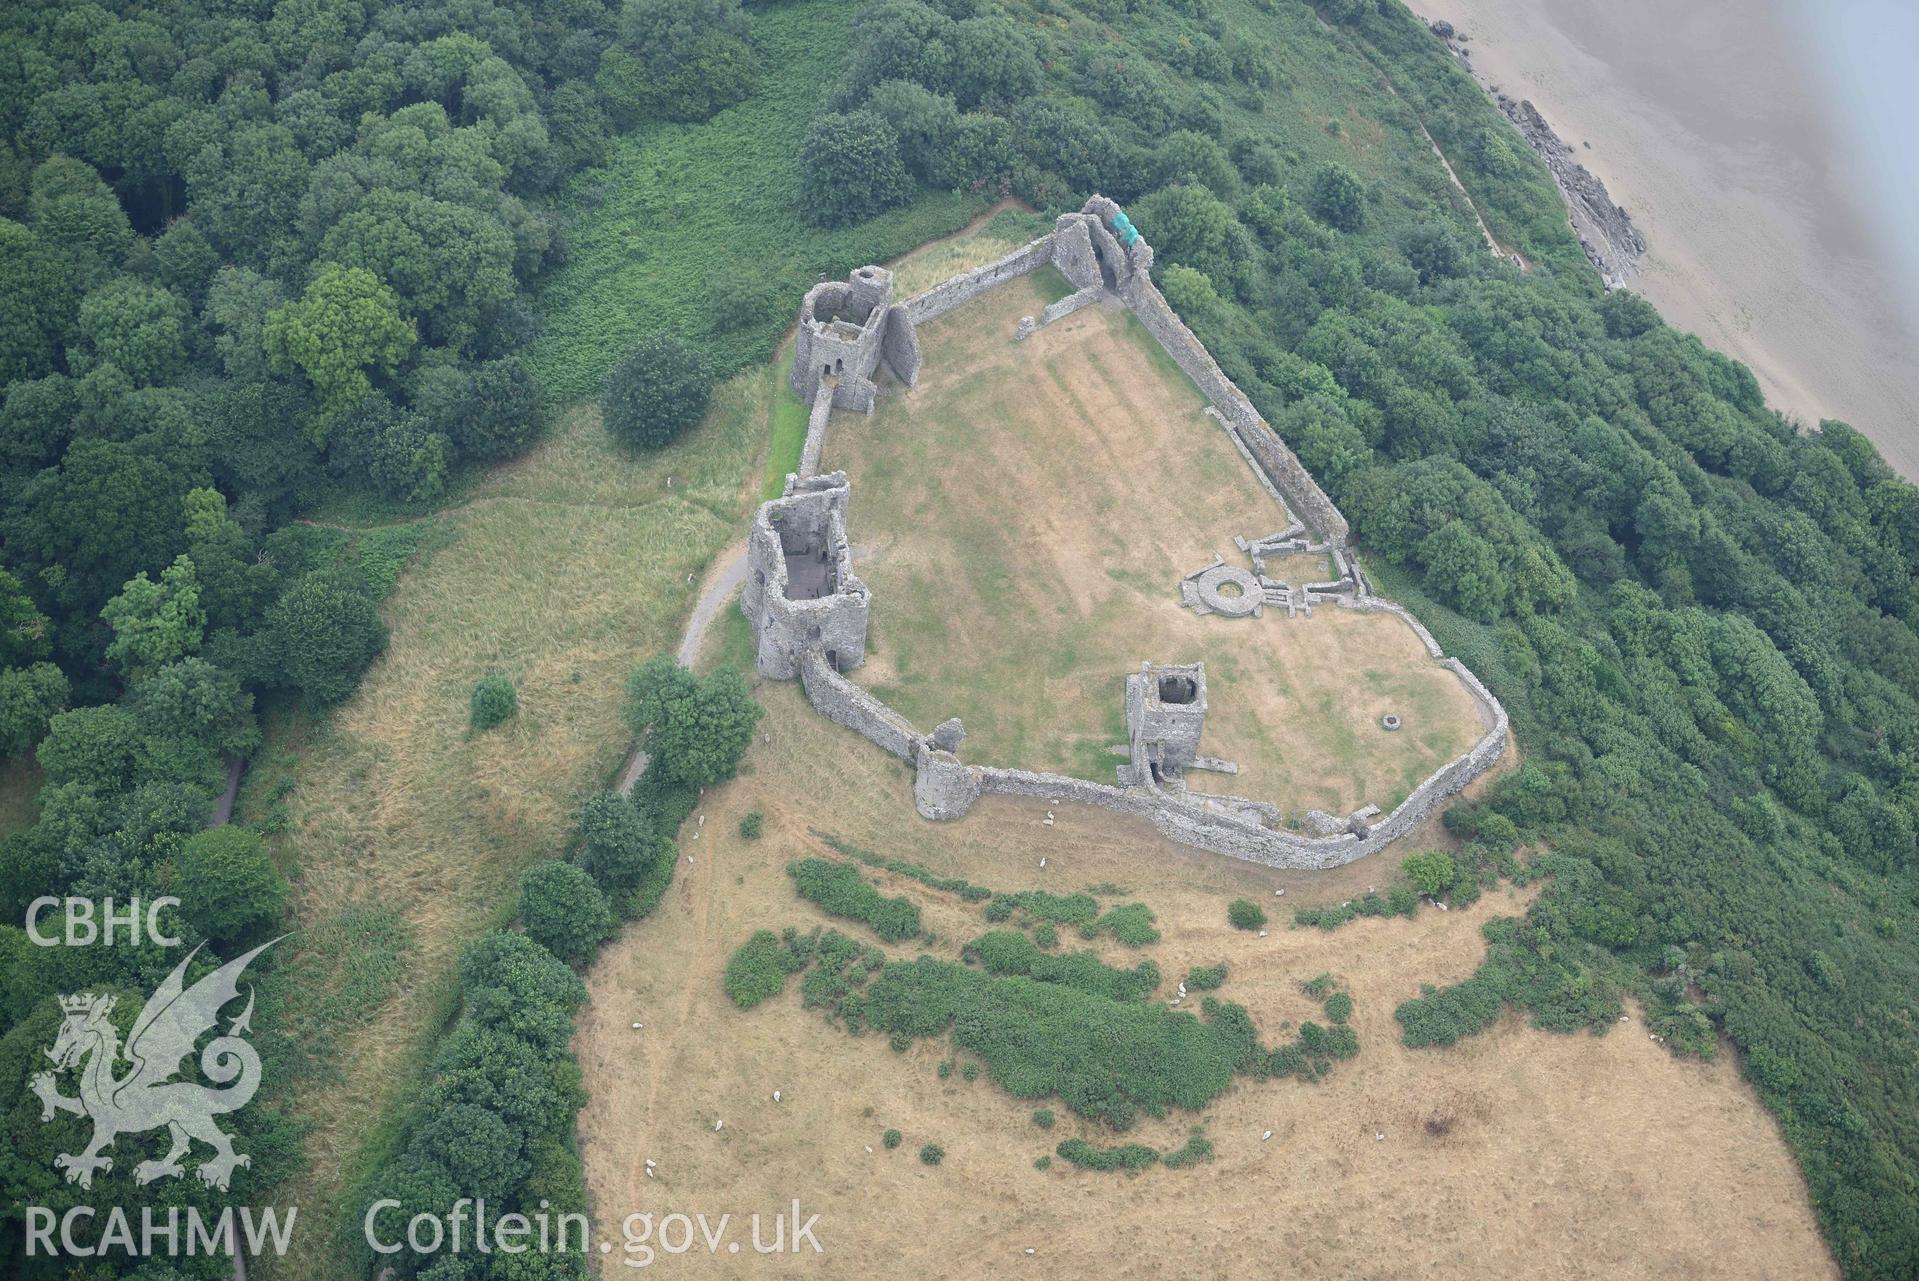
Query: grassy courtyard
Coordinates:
[1024,516]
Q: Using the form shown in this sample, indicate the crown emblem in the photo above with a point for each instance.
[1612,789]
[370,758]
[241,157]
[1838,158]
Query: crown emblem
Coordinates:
[84,1002]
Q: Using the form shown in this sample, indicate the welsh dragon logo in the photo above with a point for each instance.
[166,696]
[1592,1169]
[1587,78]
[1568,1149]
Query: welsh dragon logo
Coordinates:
[146,1097]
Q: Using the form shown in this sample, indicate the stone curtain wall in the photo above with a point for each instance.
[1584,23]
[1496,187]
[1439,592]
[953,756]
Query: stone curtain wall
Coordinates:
[1192,821]
[844,703]
[1303,495]
[816,431]
[1071,303]
[968,285]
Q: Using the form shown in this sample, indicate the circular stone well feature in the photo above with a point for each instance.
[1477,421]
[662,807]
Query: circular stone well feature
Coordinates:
[1390,721]
[1237,604]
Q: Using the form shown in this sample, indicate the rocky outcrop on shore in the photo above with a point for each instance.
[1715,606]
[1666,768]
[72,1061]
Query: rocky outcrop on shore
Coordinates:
[1604,229]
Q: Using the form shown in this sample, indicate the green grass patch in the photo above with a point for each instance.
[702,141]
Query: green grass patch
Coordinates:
[839,888]
[787,439]
[925,876]
[1011,952]
[757,970]
[734,646]
[682,215]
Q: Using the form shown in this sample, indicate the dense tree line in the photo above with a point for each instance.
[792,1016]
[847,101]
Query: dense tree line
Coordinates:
[254,257]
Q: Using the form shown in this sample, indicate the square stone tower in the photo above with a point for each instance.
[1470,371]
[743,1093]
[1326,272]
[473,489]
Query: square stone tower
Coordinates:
[1165,714]
[846,329]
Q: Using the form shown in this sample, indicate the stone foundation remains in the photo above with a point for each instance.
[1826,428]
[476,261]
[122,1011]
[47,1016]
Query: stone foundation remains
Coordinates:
[809,611]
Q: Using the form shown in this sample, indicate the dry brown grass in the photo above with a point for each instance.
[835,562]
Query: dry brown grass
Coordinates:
[970,247]
[1517,1153]
[562,571]
[1030,509]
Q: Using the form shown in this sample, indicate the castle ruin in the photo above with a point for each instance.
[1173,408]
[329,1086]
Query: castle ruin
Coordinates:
[809,611]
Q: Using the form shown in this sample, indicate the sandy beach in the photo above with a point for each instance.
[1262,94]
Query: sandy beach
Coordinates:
[1707,124]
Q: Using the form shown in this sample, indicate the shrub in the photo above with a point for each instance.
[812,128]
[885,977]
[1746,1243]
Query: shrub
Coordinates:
[1337,198]
[657,391]
[1010,952]
[1434,252]
[30,697]
[1197,1148]
[1127,1156]
[891,1139]
[513,984]
[475,1146]
[1442,1016]
[839,888]
[1101,1057]
[696,730]
[1044,1118]
[925,876]
[757,970]
[1244,914]
[563,910]
[1339,1007]
[499,412]
[1329,917]
[494,700]
[751,825]
[695,55]
[91,746]
[617,845]
[1348,11]
[1043,1163]
[328,632]
[1206,978]
[851,169]
[1432,872]
[227,885]
[1130,923]
[1039,905]
[970,1072]
[932,1154]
